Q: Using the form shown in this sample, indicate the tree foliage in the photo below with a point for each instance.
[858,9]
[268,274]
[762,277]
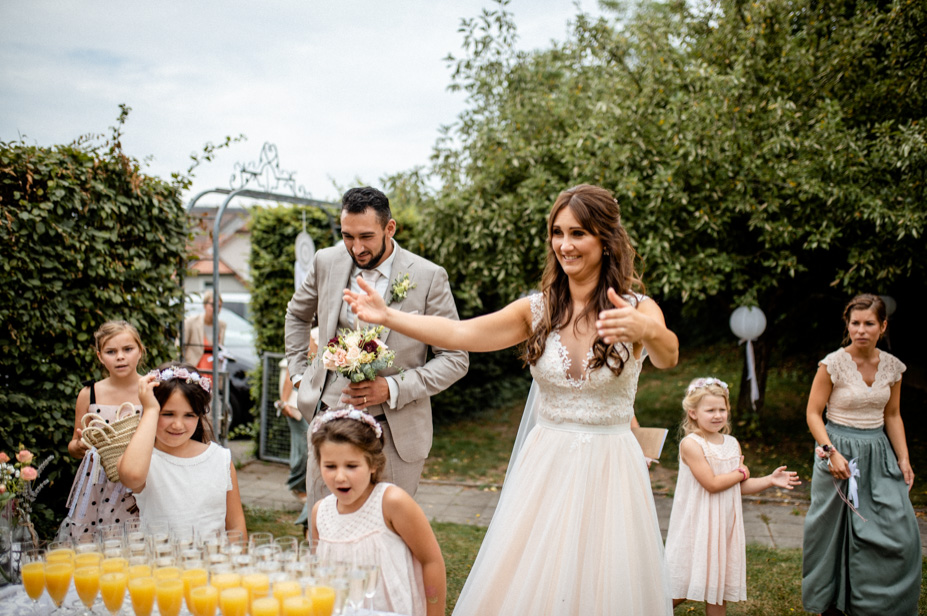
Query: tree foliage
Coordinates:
[85,237]
[763,153]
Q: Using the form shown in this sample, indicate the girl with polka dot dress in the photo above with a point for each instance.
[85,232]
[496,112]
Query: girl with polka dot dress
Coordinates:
[94,500]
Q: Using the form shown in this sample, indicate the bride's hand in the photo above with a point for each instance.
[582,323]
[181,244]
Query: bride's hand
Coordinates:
[367,306]
[622,323]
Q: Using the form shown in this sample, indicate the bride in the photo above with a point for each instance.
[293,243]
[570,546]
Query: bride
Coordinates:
[576,530]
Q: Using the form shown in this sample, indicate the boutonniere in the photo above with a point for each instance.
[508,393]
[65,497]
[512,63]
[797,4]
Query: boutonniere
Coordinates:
[401,287]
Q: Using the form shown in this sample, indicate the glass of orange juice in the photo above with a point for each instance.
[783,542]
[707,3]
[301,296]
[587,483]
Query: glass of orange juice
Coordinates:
[87,584]
[113,589]
[170,596]
[297,606]
[191,579]
[204,600]
[257,585]
[233,601]
[142,594]
[265,606]
[58,579]
[286,588]
[33,574]
[323,599]
[114,565]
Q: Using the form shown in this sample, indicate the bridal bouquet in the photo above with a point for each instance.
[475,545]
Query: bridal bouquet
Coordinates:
[358,354]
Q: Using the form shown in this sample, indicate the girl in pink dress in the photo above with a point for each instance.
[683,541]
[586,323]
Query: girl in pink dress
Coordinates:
[366,522]
[705,547]
[94,500]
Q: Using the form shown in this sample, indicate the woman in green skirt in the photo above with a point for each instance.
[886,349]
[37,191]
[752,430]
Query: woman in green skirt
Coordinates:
[862,549]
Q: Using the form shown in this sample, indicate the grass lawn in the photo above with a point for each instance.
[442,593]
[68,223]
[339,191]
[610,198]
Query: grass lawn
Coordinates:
[773,576]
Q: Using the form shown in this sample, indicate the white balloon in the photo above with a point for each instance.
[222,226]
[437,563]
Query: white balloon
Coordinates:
[748,323]
[890,304]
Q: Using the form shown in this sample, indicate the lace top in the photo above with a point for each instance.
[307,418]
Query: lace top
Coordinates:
[599,398]
[853,403]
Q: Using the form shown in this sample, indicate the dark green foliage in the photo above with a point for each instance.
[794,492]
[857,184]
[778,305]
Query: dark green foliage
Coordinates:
[770,153]
[85,237]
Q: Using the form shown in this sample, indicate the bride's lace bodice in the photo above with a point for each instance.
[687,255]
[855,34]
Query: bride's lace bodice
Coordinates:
[599,398]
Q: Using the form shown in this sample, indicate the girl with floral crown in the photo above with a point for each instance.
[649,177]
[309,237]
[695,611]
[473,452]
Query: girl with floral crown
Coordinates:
[368,522]
[705,548]
[178,473]
[95,501]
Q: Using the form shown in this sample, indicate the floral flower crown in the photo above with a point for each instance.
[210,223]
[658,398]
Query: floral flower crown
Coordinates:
[354,414]
[188,376]
[705,382]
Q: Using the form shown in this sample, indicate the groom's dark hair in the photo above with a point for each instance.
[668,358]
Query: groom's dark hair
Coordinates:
[357,200]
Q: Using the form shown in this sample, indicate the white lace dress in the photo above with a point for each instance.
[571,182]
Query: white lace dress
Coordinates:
[576,530]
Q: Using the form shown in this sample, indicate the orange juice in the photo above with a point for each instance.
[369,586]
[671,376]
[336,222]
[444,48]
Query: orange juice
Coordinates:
[226,580]
[137,571]
[297,606]
[191,579]
[113,589]
[162,573]
[87,584]
[34,579]
[265,606]
[142,593]
[87,559]
[203,600]
[323,599]
[170,596]
[60,555]
[233,602]
[57,579]
[285,589]
[257,585]
[114,565]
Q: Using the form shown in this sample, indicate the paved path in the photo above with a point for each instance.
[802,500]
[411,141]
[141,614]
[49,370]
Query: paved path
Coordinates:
[766,522]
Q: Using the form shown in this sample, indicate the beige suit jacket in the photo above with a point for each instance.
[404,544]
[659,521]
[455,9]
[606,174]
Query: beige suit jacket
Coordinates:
[193,335]
[322,293]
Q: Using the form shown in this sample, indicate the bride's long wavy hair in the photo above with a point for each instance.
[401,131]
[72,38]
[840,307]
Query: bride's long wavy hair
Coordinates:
[598,212]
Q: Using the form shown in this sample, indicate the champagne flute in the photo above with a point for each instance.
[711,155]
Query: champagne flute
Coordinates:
[265,606]
[142,593]
[170,596]
[233,601]
[113,589]
[87,584]
[33,574]
[204,601]
[357,585]
[373,574]
[58,579]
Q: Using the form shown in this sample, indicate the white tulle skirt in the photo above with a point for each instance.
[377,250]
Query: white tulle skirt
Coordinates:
[575,532]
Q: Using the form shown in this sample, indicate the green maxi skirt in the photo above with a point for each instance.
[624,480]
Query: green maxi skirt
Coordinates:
[861,568]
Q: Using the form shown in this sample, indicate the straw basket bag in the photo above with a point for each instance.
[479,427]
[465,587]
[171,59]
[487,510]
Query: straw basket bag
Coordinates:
[110,440]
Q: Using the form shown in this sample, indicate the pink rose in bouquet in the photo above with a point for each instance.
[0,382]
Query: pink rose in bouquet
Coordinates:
[25,456]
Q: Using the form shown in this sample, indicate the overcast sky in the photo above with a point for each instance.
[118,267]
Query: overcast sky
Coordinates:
[345,89]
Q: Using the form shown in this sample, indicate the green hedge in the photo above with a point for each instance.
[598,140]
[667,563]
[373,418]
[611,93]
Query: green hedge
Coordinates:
[85,237]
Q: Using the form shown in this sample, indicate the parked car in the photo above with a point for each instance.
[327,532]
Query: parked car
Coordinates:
[238,349]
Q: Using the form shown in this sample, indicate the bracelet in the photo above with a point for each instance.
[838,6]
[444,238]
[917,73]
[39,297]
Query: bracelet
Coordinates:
[744,473]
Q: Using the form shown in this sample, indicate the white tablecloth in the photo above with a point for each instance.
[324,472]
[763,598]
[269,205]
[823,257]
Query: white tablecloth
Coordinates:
[15,602]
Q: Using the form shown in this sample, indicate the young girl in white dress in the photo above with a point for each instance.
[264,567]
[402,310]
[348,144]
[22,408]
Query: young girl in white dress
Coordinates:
[705,547]
[94,500]
[364,521]
[178,474]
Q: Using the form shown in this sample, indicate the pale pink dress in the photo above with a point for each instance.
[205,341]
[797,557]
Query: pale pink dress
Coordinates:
[363,537]
[705,546]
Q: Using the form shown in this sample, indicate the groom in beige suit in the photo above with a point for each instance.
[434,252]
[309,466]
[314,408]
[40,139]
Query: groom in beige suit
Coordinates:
[401,403]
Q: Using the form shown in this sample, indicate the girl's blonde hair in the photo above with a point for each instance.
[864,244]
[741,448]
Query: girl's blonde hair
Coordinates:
[698,389]
[114,328]
[352,432]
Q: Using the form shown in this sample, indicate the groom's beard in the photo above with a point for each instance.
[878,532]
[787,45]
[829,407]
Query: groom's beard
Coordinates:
[374,260]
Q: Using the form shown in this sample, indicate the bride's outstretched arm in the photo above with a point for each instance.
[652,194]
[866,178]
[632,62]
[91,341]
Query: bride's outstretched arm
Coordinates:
[490,332]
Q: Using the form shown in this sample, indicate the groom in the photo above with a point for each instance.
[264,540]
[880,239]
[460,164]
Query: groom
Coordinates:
[401,403]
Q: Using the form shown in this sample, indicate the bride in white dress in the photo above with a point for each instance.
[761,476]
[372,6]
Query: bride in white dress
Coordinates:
[576,530]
